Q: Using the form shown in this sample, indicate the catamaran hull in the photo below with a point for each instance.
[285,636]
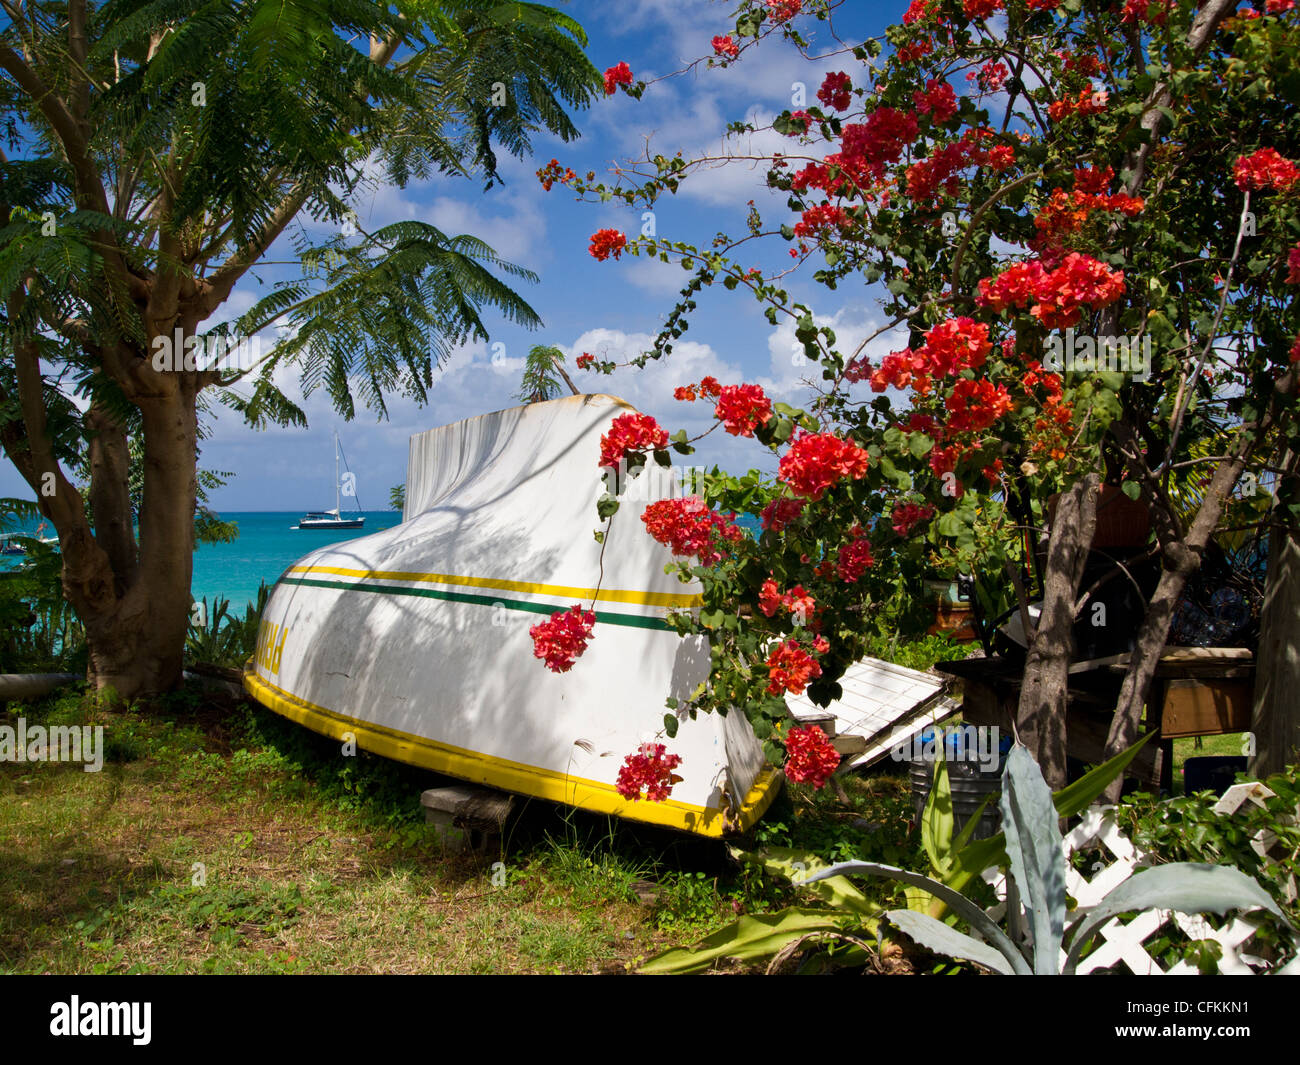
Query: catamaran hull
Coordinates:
[414,641]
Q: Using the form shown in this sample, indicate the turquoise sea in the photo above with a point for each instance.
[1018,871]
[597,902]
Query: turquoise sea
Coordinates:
[268,543]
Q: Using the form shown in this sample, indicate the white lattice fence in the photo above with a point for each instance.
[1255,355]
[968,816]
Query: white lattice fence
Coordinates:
[1123,941]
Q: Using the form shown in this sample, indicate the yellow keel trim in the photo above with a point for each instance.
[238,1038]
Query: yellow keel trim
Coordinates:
[592,795]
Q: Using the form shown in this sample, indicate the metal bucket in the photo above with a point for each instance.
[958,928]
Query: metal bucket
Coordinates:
[970,786]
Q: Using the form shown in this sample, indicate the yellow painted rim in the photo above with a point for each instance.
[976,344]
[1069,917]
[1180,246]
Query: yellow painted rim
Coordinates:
[593,795]
[561,591]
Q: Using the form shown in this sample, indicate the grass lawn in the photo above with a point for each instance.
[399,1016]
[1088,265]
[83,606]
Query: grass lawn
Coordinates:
[220,839]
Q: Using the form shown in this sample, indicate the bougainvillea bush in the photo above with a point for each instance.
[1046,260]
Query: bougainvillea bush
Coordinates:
[1083,218]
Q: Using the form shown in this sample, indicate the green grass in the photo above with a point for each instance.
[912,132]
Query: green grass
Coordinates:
[219,838]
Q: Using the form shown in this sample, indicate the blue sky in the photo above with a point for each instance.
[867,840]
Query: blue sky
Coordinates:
[611,309]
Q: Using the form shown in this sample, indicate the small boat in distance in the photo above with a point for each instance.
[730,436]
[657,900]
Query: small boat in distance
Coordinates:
[333,519]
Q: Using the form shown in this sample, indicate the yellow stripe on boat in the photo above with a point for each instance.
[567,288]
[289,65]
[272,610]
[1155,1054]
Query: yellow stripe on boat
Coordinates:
[559,591]
[501,773]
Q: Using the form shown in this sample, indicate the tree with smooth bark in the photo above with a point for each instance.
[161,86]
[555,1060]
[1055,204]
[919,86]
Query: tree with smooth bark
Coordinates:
[153,155]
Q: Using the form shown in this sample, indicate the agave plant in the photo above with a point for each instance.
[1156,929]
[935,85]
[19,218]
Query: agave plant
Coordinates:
[1036,858]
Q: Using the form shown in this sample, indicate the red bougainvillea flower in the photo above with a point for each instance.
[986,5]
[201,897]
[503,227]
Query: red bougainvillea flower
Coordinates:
[688,527]
[907,516]
[1058,295]
[769,598]
[615,76]
[631,432]
[853,559]
[1088,102]
[685,393]
[607,242]
[810,757]
[1293,266]
[974,406]
[1276,7]
[784,10]
[974,9]
[585,360]
[991,76]
[790,668]
[816,461]
[1155,12]
[1295,350]
[562,639]
[835,91]
[741,408]
[819,217]
[781,512]
[938,101]
[710,387]
[1264,169]
[916,11]
[648,773]
[725,46]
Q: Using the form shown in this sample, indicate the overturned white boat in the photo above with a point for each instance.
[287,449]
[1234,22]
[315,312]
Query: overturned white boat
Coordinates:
[415,640]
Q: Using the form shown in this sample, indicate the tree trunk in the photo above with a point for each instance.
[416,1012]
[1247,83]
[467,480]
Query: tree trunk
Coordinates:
[1040,716]
[1276,718]
[137,645]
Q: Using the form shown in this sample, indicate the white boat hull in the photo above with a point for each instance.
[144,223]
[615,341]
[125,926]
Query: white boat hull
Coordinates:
[415,640]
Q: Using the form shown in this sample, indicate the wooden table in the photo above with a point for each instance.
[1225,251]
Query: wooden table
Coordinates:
[1196,691]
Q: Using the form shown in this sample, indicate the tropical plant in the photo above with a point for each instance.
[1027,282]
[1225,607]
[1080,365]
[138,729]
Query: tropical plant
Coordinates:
[1037,866]
[217,637]
[956,862]
[397,497]
[152,153]
[544,374]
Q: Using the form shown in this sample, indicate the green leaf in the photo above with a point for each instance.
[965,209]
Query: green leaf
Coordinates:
[670,725]
[1131,489]
[938,937]
[937,820]
[750,937]
[1037,859]
[919,445]
[1183,886]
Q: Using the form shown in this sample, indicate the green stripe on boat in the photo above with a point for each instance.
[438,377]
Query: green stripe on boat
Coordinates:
[635,621]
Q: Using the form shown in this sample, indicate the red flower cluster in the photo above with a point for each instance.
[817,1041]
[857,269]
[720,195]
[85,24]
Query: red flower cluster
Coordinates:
[1065,214]
[1293,266]
[649,769]
[783,10]
[950,347]
[941,167]
[819,217]
[781,512]
[1295,350]
[796,600]
[1058,295]
[1264,169]
[688,527]
[991,76]
[585,360]
[551,173]
[811,758]
[562,639]
[631,432]
[973,406]
[741,408]
[915,12]
[853,559]
[725,46]
[974,9]
[1155,12]
[816,461]
[616,76]
[938,101]
[1088,102]
[790,667]
[834,92]
[907,516]
[607,242]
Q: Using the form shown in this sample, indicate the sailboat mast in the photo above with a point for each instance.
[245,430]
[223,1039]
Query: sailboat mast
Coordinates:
[337,500]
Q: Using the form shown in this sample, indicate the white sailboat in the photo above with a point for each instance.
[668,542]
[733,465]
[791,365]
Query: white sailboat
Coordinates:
[333,519]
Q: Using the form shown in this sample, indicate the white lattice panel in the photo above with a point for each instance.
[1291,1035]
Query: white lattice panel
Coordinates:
[1124,941]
